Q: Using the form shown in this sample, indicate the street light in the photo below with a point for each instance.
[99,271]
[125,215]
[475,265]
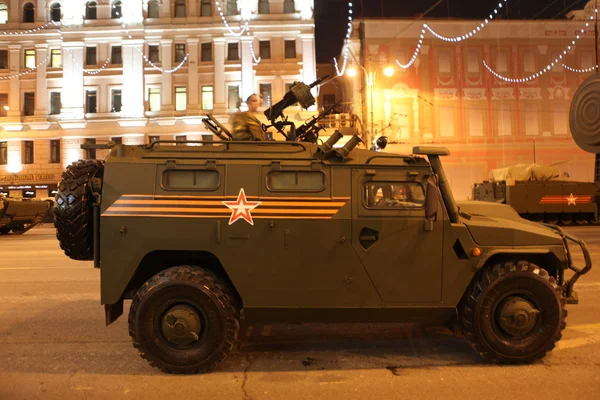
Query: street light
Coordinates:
[351,72]
[388,71]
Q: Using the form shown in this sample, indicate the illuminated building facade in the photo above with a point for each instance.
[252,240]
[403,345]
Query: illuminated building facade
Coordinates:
[133,71]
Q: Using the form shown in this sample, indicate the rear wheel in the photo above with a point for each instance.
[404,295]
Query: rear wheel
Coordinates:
[5,230]
[514,313]
[73,210]
[184,320]
[551,219]
[580,219]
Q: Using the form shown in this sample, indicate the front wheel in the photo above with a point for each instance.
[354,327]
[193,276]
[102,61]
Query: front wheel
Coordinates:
[184,320]
[513,313]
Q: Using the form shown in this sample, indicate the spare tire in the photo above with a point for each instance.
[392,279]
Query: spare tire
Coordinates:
[73,212]
[584,114]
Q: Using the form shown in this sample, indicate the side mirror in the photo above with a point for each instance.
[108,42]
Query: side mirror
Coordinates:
[382,142]
[432,201]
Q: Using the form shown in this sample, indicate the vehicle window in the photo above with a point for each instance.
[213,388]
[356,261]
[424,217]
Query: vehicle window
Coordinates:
[307,181]
[394,195]
[190,179]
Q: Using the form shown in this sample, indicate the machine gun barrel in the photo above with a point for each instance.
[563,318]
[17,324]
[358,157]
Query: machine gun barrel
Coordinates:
[298,93]
[313,121]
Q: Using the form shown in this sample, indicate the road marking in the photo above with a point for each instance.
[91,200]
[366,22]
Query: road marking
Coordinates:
[594,337]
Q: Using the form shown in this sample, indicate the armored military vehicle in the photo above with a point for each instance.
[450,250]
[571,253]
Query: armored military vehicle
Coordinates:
[20,215]
[199,237]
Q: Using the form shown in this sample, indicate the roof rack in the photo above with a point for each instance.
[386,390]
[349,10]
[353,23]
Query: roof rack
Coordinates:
[295,147]
[407,158]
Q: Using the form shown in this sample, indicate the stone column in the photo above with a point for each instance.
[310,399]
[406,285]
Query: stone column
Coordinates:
[41,88]
[220,106]
[72,98]
[14,95]
[193,88]
[309,66]
[247,73]
[133,79]
[166,89]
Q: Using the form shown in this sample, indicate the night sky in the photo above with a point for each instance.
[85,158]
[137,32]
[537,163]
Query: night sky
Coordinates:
[331,15]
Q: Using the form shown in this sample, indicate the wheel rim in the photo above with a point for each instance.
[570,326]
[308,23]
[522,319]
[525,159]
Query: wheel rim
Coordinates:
[181,325]
[516,317]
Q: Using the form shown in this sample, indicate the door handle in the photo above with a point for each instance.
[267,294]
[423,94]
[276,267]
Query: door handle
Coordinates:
[240,237]
[368,237]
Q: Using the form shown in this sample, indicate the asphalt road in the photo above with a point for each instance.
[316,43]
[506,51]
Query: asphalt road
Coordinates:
[54,345]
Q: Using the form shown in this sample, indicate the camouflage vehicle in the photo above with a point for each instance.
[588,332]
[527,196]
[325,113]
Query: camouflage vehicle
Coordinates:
[199,237]
[20,215]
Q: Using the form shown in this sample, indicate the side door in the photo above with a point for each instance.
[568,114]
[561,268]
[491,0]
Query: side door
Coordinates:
[400,252]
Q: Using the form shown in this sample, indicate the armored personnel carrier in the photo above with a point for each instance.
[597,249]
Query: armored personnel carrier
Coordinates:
[199,237]
[20,215]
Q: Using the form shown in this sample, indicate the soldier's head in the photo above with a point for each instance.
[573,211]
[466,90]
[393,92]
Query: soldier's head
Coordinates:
[253,102]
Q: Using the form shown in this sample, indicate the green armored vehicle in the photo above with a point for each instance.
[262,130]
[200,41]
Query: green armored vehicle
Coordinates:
[20,215]
[199,236]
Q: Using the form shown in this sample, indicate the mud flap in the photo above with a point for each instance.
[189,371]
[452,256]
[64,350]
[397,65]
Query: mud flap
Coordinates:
[113,311]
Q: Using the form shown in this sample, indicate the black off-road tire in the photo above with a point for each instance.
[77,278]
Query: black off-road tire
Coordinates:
[73,211]
[478,311]
[5,230]
[200,290]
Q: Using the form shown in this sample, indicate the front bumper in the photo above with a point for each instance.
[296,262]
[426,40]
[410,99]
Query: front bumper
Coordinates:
[568,292]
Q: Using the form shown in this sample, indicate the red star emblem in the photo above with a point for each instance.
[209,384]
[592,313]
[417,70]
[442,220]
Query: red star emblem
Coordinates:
[241,208]
[571,200]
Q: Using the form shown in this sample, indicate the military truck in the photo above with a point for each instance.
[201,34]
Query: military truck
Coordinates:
[200,237]
[538,193]
[20,215]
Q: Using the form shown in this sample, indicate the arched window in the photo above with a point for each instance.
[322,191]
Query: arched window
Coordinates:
[28,12]
[263,7]
[153,9]
[3,13]
[232,7]
[115,11]
[179,8]
[289,7]
[206,8]
[90,10]
[55,12]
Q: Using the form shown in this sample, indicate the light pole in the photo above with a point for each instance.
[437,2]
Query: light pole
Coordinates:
[370,79]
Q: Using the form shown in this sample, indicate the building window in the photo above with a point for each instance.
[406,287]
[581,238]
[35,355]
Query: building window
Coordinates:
[115,100]
[55,151]
[502,61]
[28,103]
[232,8]
[180,138]
[3,13]
[27,152]
[206,54]
[154,99]
[115,11]
[288,7]
[117,140]
[3,59]
[3,104]
[587,60]
[55,12]
[180,99]
[28,12]
[154,54]
[207,97]
[153,9]
[531,119]
[90,56]
[233,52]
[90,10]
[446,121]
[179,52]
[475,121]
[56,58]
[504,125]
[557,66]
[29,58]
[528,61]
[152,139]
[179,8]
[90,154]
[263,6]
[473,62]
[444,62]
[206,8]
[90,101]
[115,55]
[265,94]
[234,96]
[55,103]
[328,100]
[561,119]
[265,49]
[3,153]
[290,49]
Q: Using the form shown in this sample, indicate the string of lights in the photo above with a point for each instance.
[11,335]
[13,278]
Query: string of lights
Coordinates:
[243,28]
[580,71]
[95,72]
[44,61]
[546,68]
[39,28]
[346,47]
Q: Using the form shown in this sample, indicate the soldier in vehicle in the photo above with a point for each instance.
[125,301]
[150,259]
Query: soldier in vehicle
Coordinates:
[246,125]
